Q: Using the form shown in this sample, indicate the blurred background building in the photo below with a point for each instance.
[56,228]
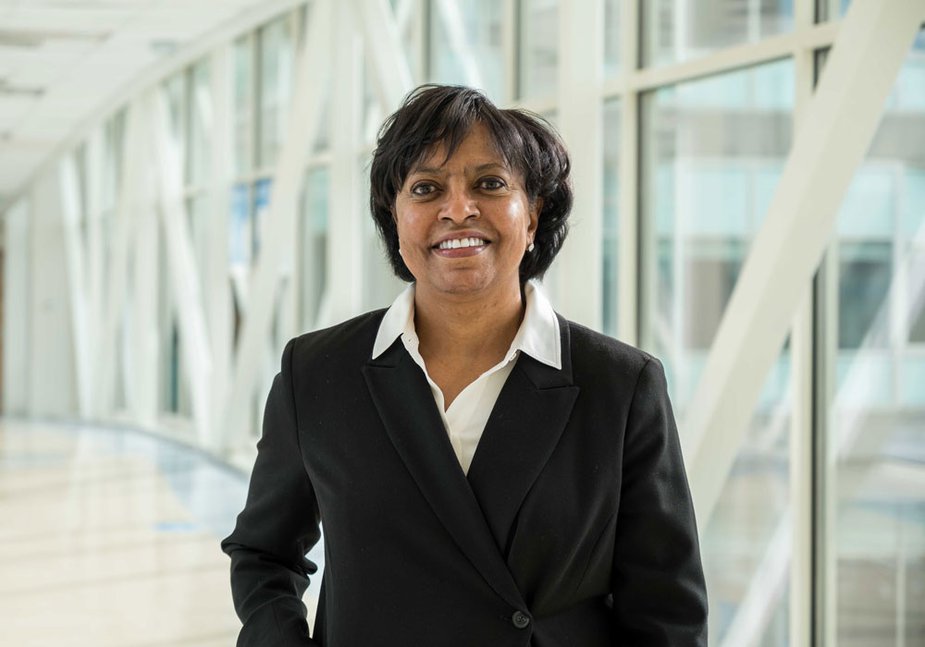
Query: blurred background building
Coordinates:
[183,187]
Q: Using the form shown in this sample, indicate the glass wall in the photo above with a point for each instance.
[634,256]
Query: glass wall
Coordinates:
[677,30]
[876,405]
[611,227]
[611,38]
[713,150]
[467,43]
[276,55]
[539,48]
[712,144]
[313,256]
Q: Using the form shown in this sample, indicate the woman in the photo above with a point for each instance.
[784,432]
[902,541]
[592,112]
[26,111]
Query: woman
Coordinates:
[487,473]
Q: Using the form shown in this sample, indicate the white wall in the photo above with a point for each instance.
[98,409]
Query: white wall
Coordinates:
[51,379]
[16,306]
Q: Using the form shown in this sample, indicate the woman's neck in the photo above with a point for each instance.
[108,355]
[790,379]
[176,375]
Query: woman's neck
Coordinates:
[478,329]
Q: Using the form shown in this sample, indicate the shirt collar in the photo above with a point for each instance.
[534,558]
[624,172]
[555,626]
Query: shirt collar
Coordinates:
[538,335]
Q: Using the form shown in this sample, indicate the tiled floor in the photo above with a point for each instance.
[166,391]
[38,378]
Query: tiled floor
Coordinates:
[111,538]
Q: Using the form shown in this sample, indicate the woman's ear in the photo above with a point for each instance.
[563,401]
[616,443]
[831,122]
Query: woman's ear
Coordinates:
[536,208]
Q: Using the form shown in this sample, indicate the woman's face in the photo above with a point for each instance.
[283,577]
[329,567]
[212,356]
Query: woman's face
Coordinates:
[464,225]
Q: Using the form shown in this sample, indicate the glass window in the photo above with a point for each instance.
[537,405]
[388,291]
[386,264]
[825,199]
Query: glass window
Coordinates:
[244,104]
[611,38]
[747,543]
[712,152]
[240,231]
[313,254]
[175,91]
[467,45]
[323,137]
[865,274]
[200,124]
[876,411]
[407,17]
[909,91]
[197,210]
[113,159]
[677,30]
[380,285]
[262,194]
[611,214]
[82,188]
[831,9]
[539,48]
[915,297]
[276,54]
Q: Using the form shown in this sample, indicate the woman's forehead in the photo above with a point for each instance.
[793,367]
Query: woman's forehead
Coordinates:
[478,142]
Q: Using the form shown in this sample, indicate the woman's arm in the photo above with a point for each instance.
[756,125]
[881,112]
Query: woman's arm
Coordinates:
[279,524]
[658,588]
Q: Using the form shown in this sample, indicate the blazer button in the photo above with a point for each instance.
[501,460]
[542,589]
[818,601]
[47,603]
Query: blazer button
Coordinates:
[520,619]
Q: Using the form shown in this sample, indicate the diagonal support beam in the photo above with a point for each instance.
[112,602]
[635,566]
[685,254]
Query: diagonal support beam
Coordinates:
[455,26]
[81,330]
[303,123]
[382,40]
[141,361]
[184,275]
[122,232]
[831,142]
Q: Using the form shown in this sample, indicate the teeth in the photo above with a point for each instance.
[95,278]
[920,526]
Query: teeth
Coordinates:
[456,243]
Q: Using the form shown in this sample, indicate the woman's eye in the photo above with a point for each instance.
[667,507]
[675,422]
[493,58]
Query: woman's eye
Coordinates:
[492,183]
[422,189]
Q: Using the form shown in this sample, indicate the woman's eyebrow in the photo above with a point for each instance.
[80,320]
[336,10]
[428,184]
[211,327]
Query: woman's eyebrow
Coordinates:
[481,168]
[438,170]
[431,170]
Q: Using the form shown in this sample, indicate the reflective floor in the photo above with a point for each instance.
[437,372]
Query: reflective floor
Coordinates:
[111,538]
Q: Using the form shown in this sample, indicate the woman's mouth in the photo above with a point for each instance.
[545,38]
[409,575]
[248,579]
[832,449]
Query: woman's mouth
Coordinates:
[459,243]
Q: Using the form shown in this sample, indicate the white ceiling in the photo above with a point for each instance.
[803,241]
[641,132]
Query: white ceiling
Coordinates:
[62,60]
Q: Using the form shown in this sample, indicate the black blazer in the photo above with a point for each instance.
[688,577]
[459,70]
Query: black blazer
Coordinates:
[574,527]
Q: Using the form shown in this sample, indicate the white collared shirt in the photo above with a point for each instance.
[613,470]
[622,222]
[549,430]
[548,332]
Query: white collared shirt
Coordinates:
[465,418]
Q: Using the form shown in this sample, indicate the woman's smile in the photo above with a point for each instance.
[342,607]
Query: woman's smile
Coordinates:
[460,245]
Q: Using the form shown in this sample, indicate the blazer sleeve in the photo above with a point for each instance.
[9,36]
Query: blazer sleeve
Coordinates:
[279,524]
[658,586]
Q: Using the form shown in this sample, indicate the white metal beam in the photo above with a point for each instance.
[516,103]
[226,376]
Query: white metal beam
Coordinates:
[343,290]
[141,364]
[628,207]
[835,134]
[93,259]
[303,122]
[181,265]
[729,58]
[577,275]
[17,281]
[382,41]
[219,311]
[455,27]
[121,234]
[77,281]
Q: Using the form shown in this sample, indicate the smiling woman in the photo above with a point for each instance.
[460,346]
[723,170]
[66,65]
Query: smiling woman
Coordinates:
[487,472]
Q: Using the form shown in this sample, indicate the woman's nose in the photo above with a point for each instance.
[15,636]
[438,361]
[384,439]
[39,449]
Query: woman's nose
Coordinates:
[459,206]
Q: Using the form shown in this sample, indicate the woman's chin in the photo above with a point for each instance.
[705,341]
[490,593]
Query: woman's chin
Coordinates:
[462,284]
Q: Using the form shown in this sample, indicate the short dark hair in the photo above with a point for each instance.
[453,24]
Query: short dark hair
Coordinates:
[432,115]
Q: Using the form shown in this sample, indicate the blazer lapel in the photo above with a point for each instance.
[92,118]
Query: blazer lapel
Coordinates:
[407,409]
[524,427]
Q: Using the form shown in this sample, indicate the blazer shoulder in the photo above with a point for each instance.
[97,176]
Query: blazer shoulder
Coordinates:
[351,339]
[597,353]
